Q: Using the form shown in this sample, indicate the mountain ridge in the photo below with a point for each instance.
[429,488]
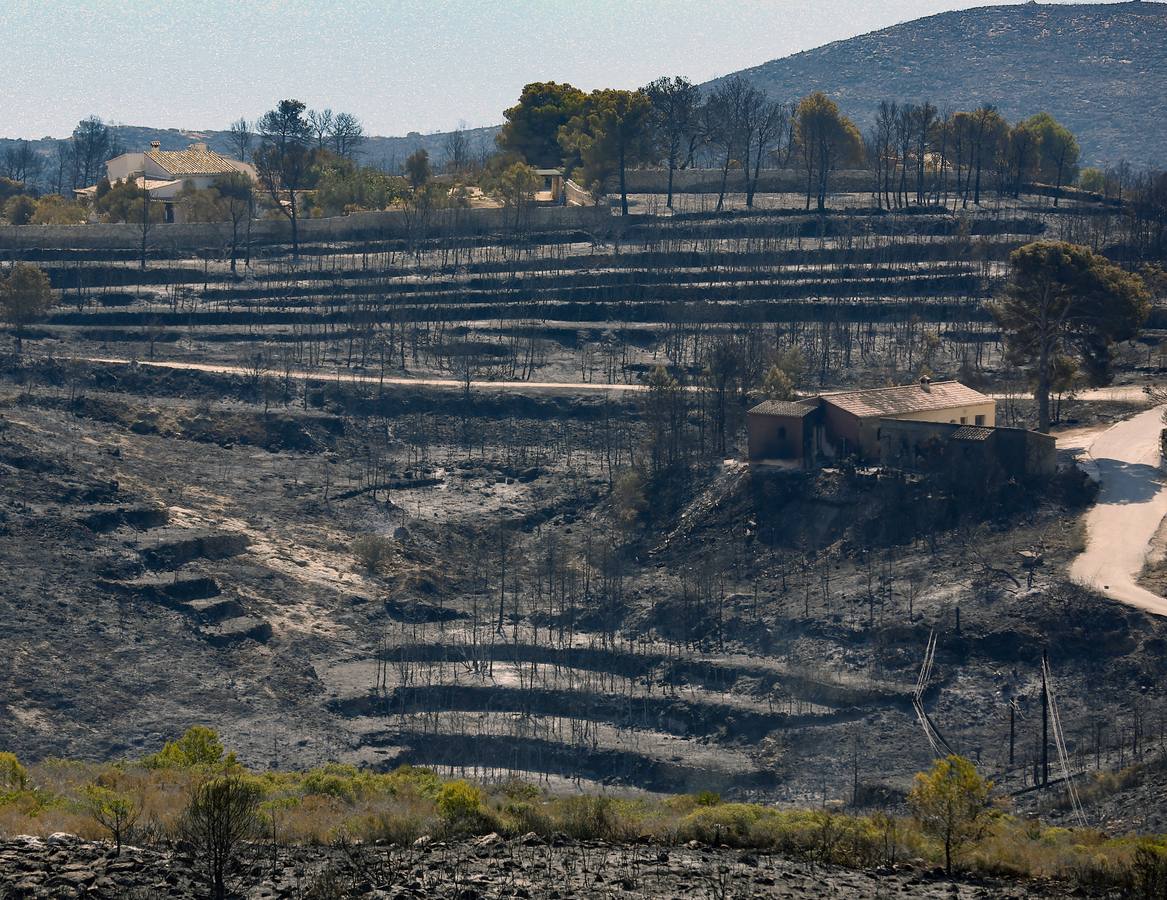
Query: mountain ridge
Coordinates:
[1100,68]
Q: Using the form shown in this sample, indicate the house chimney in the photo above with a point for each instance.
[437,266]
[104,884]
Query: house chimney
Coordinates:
[926,383]
[155,145]
[201,147]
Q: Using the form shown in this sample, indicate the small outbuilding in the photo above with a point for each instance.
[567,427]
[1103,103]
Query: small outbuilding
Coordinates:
[781,429]
[551,188]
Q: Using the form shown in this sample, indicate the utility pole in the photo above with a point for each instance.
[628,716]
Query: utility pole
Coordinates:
[1012,729]
[1044,720]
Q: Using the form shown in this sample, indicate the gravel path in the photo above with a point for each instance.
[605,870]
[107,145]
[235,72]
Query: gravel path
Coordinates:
[1131,504]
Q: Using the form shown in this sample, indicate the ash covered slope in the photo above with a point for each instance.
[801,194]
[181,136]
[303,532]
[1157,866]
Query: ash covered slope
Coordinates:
[1099,68]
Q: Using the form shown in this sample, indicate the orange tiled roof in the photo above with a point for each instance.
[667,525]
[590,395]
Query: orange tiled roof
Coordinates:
[192,162]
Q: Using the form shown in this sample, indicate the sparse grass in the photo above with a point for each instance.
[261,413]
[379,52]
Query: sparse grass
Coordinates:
[338,802]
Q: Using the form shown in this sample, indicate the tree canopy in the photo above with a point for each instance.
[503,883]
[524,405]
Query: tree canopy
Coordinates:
[826,139]
[25,296]
[1064,301]
[284,158]
[1057,151]
[417,168]
[609,134]
[950,801]
[673,121]
[532,125]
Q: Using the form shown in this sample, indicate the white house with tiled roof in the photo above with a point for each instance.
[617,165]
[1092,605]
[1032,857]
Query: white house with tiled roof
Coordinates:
[164,173]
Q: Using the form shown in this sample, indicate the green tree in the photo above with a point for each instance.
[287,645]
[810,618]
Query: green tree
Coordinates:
[122,202]
[826,139]
[1023,148]
[283,160]
[1057,151]
[1063,300]
[13,776]
[25,296]
[628,500]
[515,186]
[950,802]
[56,210]
[345,187]
[222,813]
[674,103]
[202,204]
[417,169]
[1093,180]
[610,134]
[115,811]
[19,210]
[532,125]
[988,133]
[778,385]
[198,747]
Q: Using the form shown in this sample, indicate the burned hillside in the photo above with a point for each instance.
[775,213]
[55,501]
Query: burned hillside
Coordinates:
[484,504]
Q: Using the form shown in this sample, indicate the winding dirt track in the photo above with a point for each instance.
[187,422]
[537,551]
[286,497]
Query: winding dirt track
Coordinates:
[1131,505]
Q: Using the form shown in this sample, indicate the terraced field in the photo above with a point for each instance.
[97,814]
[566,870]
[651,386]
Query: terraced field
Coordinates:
[293,534]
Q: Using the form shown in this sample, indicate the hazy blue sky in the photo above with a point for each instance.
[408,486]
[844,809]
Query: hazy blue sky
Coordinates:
[400,66]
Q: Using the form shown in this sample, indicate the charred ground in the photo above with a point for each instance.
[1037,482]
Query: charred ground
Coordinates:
[328,567]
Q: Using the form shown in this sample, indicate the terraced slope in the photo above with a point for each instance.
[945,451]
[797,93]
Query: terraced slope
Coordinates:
[340,567]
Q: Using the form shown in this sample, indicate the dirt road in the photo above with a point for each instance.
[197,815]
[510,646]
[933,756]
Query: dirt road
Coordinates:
[1131,504]
[350,377]
[1121,393]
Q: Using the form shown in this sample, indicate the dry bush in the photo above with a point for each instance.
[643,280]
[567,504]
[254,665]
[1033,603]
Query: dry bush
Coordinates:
[372,552]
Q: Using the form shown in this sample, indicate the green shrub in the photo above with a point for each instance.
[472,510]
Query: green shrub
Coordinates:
[1149,871]
[726,823]
[340,785]
[587,818]
[517,817]
[13,776]
[198,747]
[459,803]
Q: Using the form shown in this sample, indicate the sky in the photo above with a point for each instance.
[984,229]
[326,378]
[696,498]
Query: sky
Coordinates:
[398,66]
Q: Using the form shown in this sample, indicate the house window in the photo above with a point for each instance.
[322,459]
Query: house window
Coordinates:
[964,420]
[980,420]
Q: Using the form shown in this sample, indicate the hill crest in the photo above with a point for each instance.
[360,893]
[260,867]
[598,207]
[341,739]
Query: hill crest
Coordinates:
[1101,68]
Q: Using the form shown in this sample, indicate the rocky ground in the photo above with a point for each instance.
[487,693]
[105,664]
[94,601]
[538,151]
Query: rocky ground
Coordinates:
[62,866]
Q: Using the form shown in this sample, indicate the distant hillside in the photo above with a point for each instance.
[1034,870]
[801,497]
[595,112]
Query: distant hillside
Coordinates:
[1099,68]
[389,152]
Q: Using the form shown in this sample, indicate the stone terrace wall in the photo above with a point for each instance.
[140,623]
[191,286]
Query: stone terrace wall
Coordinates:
[358,226]
[703,181]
